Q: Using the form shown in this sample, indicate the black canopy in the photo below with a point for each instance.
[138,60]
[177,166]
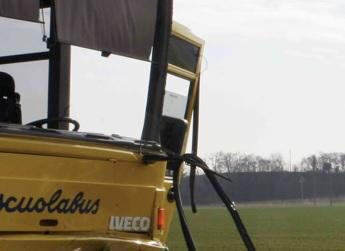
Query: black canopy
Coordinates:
[124,27]
[20,9]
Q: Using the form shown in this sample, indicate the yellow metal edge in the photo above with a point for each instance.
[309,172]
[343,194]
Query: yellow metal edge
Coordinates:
[64,148]
[185,33]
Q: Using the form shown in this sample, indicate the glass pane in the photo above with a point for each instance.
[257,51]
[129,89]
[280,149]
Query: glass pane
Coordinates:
[31,82]
[19,37]
[176,97]
[108,95]
[183,54]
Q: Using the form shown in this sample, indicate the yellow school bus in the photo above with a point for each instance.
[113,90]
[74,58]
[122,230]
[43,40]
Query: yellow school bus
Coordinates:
[64,189]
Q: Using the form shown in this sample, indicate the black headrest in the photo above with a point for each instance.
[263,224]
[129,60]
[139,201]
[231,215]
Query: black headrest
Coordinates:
[6,84]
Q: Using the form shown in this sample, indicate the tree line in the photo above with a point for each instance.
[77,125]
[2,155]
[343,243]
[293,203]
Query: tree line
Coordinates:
[229,162]
[323,162]
[240,162]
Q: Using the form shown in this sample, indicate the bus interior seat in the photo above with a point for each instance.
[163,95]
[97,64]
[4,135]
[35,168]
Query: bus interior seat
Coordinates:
[10,110]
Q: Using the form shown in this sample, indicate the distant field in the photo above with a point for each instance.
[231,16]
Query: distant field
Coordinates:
[271,227]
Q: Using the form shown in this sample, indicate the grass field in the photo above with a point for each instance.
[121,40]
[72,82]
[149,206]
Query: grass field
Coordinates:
[272,228]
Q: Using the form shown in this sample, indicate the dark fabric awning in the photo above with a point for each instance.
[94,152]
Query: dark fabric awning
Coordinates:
[20,9]
[124,27]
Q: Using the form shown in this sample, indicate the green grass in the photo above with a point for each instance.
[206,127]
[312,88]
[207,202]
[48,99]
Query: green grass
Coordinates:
[271,228]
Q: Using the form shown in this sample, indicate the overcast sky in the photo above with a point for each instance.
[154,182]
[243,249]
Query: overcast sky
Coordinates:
[273,78]
[273,74]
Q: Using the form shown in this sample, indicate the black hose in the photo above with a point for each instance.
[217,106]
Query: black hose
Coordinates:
[191,187]
[195,161]
[183,222]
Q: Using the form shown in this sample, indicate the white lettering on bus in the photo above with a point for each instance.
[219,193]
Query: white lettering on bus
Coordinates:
[129,224]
